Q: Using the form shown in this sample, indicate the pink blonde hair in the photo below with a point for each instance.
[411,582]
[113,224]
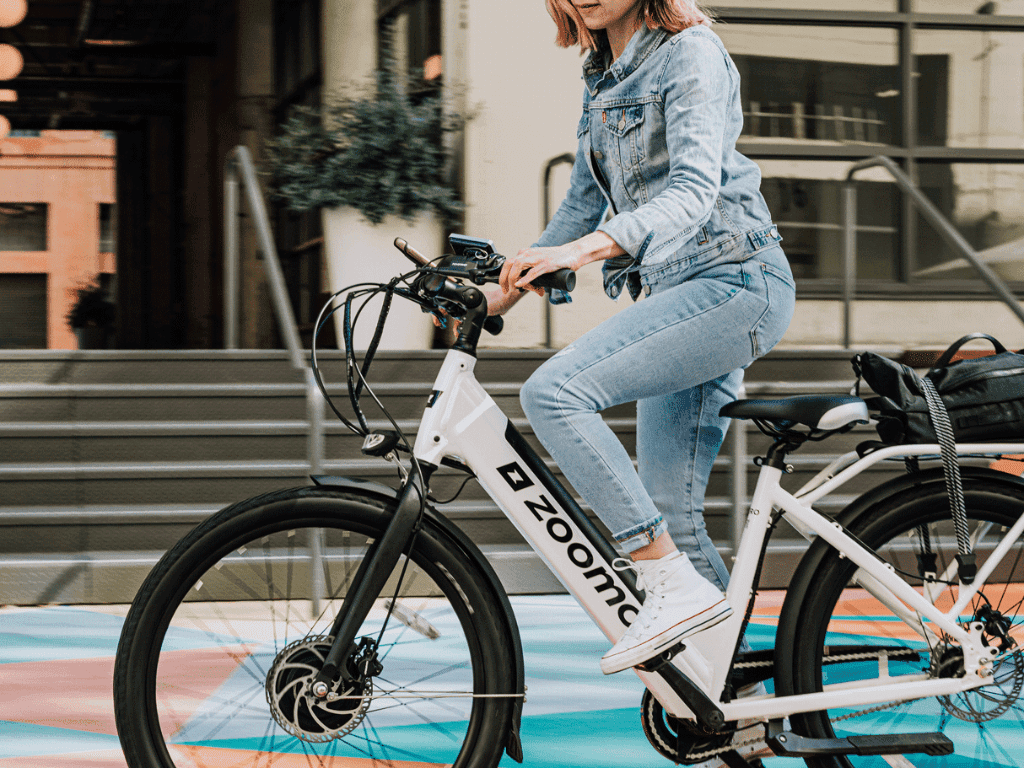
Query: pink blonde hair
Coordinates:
[671,15]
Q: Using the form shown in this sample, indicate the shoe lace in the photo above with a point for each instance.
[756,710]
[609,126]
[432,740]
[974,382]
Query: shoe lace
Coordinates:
[649,607]
[624,564]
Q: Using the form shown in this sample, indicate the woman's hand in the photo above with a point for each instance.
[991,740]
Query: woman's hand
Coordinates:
[531,263]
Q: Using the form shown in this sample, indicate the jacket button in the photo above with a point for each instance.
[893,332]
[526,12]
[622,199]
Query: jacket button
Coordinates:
[647,290]
[598,154]
[622,123]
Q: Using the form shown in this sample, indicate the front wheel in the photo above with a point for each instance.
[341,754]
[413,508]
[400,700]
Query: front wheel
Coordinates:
[222,643]
[984,724]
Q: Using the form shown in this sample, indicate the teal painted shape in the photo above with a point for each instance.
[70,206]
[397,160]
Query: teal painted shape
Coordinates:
[48,634]
[29,740]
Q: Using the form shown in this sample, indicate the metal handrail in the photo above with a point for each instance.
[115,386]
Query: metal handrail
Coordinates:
[240,168]
[566,159]
[240,164]
[931,214]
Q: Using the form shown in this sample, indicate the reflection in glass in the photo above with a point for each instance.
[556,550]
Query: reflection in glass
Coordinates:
[985,202]
[824,84]
[970,7]
[876,6]
[805,199]
[23,226]
[969,86]
[23,311]
[108,227]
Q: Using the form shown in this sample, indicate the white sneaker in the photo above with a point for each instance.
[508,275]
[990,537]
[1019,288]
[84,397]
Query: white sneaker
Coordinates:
[679,603]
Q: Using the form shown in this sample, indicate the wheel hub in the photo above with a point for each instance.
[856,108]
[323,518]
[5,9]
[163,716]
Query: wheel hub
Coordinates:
[294,706]
[991,700]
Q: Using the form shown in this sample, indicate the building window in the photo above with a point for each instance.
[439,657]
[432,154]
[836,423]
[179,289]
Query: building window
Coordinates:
[299,81]
[108,228]
[23,226]
[934,85]
[409,40]
[297,58]
[23,311]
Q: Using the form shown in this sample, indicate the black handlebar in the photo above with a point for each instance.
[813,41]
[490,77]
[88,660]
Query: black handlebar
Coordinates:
[560,280]
[484,268]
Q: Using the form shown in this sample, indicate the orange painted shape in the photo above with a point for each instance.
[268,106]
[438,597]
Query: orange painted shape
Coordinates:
[1012,464]
[213,757]
[80,697]
[109,758]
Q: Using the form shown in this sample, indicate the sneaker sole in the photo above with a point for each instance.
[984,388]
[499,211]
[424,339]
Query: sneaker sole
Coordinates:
[656,645]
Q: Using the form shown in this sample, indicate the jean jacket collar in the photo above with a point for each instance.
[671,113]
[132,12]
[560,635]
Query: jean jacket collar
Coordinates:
[641,45]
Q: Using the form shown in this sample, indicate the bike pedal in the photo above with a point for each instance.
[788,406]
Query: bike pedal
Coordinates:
[657,662]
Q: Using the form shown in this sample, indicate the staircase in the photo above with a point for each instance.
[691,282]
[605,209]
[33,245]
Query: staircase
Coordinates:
[108,457]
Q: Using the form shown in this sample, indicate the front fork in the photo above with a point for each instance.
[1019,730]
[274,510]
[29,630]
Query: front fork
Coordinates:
[369,581]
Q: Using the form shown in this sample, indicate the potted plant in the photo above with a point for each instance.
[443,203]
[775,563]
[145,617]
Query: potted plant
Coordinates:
[92,315]
[374,162]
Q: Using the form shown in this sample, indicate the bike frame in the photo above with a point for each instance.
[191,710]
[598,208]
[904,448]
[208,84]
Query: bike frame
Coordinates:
[463,422]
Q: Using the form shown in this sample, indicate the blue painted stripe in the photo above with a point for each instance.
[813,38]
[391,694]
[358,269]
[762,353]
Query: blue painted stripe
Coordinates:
[29,740]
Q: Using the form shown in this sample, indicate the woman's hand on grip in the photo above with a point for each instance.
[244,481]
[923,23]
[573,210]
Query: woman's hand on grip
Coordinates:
[518,272]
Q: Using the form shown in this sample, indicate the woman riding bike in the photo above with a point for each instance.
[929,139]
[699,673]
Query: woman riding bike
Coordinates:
[690,230]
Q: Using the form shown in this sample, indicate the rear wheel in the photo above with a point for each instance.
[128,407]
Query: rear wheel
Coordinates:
[222,644]
[984,724]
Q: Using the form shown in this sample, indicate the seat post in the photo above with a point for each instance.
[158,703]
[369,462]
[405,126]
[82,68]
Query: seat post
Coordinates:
[777,453]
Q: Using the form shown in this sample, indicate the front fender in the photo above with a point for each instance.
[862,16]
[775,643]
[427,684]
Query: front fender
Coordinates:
[513,746]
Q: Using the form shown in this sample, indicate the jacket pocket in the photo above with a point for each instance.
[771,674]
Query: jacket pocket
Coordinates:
[626,124]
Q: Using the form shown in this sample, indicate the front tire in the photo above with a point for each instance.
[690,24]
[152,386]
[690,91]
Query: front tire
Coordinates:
[221,640]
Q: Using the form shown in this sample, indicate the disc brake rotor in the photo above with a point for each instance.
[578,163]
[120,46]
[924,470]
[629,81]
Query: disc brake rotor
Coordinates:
[297,710]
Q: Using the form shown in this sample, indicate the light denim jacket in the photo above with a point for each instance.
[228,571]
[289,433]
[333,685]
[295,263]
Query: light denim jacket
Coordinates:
[661,124]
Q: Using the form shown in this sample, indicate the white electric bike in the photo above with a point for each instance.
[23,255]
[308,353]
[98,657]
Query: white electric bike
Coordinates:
[394,643]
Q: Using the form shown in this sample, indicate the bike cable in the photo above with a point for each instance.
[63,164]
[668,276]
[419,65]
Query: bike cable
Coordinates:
[357,384]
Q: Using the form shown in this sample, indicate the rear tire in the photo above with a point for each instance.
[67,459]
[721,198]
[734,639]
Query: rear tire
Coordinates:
[229,607]
[831,608]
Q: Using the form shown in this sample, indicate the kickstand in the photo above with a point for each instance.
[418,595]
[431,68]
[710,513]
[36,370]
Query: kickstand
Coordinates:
[734,759]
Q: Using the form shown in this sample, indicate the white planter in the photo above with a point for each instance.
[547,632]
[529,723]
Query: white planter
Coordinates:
[360,252]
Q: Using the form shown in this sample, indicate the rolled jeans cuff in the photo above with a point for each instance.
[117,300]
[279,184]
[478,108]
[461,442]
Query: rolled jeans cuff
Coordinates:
[641,535]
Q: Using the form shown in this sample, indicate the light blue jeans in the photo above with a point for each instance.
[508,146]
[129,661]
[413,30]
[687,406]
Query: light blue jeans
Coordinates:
[680,354]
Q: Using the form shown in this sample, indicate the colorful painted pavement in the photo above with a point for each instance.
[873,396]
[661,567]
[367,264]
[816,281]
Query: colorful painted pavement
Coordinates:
[56,665]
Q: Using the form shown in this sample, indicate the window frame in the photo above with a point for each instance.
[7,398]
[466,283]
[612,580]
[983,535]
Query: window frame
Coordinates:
[909,154]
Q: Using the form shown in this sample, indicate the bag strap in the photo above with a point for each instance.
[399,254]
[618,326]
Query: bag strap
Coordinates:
[966,561]
[955,346]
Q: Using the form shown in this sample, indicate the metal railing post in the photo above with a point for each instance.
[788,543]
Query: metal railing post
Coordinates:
[231,266]
[849,258]
[545,220]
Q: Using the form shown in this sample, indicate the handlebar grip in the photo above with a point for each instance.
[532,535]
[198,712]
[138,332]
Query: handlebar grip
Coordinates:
[562,280]
[413,255]
[494,324]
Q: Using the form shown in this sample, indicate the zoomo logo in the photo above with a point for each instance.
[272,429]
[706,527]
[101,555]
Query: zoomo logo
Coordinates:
[579,554]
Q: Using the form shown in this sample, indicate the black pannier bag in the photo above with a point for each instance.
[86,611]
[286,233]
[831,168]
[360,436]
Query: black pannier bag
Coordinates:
[984,396]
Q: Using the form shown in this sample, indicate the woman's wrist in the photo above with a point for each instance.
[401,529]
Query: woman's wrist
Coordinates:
[597,246]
